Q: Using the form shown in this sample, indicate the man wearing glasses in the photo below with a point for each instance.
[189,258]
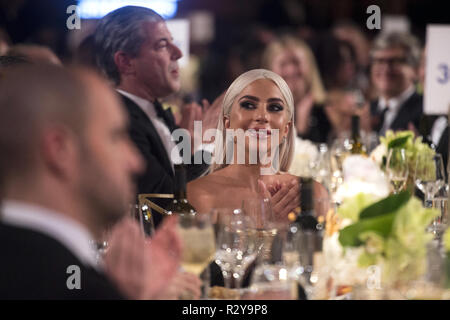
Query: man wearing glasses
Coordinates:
[394,61]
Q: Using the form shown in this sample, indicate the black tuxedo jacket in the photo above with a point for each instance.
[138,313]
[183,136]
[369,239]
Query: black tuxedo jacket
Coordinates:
[410,111]
[158,176]
[34,266]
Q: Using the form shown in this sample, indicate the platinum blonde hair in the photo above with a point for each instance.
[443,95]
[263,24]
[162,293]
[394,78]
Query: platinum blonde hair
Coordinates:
[286,147]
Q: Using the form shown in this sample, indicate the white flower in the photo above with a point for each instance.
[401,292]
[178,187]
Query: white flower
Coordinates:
[378,153]
[362,174]
[305,153]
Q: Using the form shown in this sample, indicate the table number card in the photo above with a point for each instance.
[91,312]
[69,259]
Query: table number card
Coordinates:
[437,74]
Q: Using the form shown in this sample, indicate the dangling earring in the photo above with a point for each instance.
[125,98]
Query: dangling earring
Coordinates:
[283,140]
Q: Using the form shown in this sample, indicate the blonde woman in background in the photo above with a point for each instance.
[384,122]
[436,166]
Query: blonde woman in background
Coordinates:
[294,61]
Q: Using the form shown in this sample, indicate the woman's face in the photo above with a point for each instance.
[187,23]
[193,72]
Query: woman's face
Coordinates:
[260,110]
[292,66]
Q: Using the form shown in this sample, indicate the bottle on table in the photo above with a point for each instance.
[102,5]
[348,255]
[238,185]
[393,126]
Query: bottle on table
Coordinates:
[356,144]
[180,204]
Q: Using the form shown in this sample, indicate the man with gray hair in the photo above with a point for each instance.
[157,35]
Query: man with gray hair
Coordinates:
[137,53]
[394,61]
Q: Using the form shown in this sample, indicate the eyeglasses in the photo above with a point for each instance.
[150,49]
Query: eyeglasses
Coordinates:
[394,62]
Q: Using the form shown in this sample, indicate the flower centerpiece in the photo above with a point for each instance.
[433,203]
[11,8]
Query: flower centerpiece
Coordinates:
[372,228]
[402,140]
[392,234]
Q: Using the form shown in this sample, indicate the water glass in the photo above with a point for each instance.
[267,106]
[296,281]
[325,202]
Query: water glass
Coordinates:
[397,168]
[236,248]
[272,282]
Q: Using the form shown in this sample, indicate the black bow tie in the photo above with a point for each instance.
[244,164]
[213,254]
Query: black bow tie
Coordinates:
[166,115]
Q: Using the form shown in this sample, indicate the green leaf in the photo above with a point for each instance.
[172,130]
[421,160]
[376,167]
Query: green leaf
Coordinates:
[385,206]
[398,142]
[381,225]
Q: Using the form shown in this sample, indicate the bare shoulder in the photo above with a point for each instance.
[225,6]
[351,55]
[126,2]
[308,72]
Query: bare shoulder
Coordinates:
[201,192]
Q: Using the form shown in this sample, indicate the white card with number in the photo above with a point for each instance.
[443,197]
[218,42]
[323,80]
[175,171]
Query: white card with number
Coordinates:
[437,74]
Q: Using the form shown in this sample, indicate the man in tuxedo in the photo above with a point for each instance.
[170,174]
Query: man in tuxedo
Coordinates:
[66,175]
[136,52]
[394,61]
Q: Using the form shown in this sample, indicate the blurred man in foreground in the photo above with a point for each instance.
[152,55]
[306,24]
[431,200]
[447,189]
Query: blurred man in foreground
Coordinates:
[66,175]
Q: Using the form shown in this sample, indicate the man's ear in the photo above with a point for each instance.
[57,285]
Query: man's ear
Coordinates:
[124,63]
[59,150]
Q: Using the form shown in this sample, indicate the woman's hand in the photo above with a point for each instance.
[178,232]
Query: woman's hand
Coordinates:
[284,197]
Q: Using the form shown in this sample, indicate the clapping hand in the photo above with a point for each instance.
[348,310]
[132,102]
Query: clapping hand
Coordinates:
[207,113]
[283,196]
[142,270]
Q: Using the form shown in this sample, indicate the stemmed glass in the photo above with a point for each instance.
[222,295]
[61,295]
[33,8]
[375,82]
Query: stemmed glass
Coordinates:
[197,235]
[235,245]
[397,168]
[429,175]
[266,229]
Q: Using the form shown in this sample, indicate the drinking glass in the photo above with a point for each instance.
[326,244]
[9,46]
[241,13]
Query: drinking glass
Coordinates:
[321,167]
[440,202]
[397,168]
[235,245]
[266,227]
[197,234]
[272,282]
[301,254]
[429,175]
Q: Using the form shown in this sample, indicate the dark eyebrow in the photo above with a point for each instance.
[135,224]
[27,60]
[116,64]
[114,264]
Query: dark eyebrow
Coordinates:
[249,97]
[275,100]
[257,99]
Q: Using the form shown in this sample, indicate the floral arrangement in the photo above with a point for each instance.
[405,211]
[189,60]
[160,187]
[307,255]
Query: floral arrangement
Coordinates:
[306,153]
[405,140]
[361,174]
[391,233]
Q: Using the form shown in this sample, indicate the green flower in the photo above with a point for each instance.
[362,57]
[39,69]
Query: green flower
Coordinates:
[410,223]
[392,232]
[374,243]
[351,207]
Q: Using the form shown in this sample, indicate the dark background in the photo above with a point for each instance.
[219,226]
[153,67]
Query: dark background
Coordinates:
[44,21]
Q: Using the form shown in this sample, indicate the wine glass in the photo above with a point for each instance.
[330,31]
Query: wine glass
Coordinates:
[260,211]
[235,245]
[429,175]
[272,282]
[397,168]
[321,167]
[440,202]
[197,235]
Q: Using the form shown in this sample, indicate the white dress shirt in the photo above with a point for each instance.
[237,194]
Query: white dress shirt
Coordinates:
[71,234]
[393,105]
[438,129]
[158,123]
